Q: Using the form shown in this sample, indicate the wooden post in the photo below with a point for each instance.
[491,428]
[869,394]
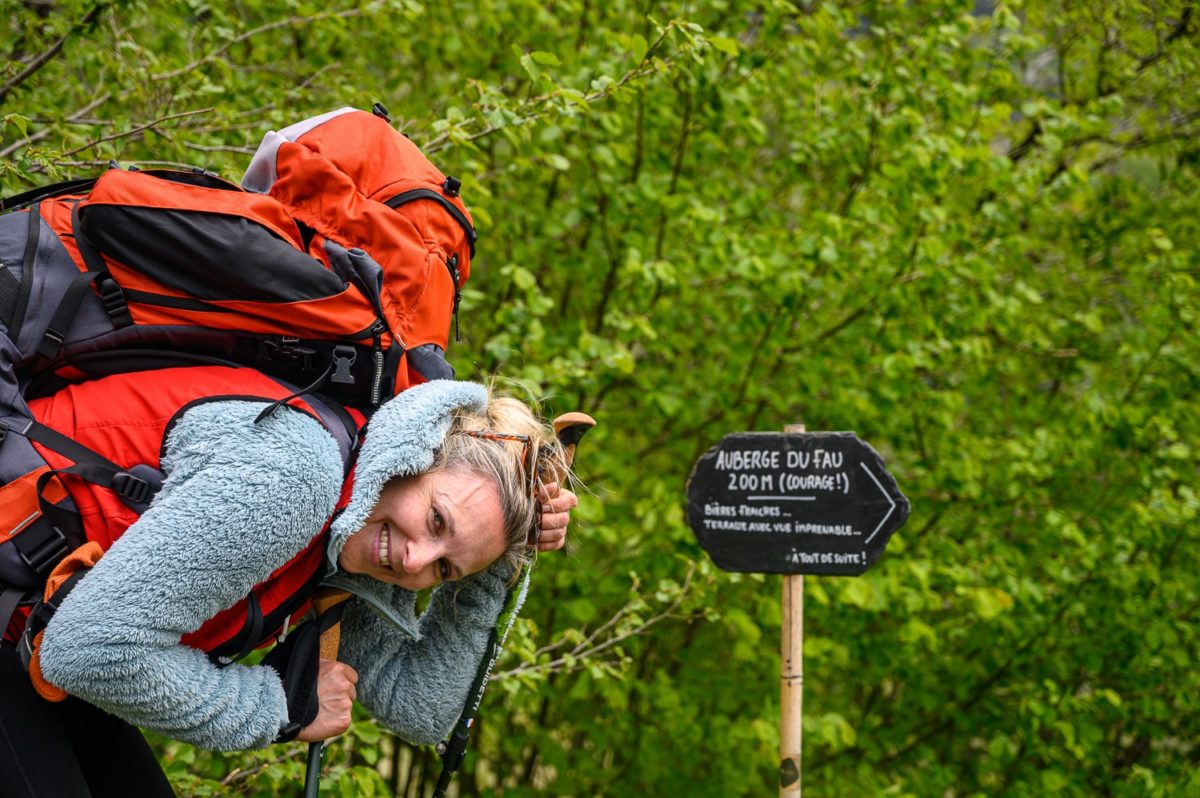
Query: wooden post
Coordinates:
[791,677]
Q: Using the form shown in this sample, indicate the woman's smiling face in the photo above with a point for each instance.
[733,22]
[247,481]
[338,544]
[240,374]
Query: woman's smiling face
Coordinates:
[427,529]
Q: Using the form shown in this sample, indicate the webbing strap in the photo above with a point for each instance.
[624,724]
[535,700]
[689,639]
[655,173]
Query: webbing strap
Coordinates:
[56,332]
[64,445]
[45,609]
[251,633]
[45,192]
[14,294]
[115,302]
[27,260]
[89,465]
[41,546]
[68,306]
[10,293]
[42,612]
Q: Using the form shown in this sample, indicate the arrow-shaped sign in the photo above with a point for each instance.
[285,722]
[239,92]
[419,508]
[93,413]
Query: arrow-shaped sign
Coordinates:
[891,504]
[800,503]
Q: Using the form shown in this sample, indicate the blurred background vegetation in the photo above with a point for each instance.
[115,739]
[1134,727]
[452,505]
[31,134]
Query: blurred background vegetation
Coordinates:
[966,231]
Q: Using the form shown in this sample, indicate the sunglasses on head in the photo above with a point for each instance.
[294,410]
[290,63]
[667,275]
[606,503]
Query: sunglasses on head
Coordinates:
[528,461]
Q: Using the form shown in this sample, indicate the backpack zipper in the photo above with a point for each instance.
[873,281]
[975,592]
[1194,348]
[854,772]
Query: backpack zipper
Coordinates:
[377,355]
[451,208]
[452,266]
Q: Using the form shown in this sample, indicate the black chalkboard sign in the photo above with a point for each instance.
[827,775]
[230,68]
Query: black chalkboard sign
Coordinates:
[794,503]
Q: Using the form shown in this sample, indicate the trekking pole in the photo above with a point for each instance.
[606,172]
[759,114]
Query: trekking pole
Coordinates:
[328,604]
[569,428]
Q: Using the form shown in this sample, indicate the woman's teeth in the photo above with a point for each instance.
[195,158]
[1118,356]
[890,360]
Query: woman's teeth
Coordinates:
[385,553]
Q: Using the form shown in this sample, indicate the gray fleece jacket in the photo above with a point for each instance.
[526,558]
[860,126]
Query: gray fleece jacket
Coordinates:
[240,500]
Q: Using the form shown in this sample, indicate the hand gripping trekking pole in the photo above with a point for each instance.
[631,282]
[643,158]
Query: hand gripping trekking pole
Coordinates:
[329,604]
[569,428]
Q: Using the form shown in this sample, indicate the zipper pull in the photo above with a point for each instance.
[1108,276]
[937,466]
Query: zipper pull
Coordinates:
[377,356]
[452,265]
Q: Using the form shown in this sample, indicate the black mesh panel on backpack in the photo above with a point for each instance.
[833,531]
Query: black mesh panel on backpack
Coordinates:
[206,255]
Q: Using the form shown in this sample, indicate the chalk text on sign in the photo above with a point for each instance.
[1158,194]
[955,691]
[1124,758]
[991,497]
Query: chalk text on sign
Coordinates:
[798,557]
[819,459]
[751,481]
[747,460]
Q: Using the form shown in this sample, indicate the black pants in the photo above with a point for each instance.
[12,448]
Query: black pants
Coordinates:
[69,749]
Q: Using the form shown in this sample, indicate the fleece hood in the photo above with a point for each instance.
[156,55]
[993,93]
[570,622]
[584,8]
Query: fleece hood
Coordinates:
[401,439]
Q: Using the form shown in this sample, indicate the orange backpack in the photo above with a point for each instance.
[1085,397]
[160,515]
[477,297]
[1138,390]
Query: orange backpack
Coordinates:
[342,262]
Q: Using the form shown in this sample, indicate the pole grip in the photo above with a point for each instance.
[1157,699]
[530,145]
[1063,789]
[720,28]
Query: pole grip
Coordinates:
[326,602]
[328,606]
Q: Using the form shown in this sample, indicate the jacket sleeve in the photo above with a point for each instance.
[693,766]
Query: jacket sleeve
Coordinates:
[416,685]
[240,499]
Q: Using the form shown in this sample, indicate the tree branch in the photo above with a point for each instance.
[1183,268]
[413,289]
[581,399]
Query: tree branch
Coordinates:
[241,774]
[45,132]
[602,639]
[1177,31]
[860,178]
[131,132]
[644,68]
[191,145]
[442,140]
[47,55]
[250,34]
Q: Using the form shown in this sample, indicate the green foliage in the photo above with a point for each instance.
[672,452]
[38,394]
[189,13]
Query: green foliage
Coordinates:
[970,237]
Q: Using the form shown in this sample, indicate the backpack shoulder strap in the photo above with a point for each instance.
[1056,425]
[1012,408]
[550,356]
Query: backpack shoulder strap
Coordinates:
[344,424]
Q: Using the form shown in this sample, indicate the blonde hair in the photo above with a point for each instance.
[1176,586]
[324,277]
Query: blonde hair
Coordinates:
[502,462]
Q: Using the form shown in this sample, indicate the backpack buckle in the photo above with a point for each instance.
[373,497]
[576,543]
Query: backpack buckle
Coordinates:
[130,487]
[51,342]
[112,297]
[343,358]
[287,350]
[44,553]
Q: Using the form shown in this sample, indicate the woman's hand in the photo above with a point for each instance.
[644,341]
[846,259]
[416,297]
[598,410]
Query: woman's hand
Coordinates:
[556,514]
[335,698]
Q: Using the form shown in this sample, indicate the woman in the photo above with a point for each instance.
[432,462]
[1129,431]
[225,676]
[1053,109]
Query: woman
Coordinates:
[441,493]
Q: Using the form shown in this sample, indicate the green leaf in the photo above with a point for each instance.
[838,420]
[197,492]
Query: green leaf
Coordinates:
[724,44]
[531,69]
[638,46]
[546,58]
[20,122]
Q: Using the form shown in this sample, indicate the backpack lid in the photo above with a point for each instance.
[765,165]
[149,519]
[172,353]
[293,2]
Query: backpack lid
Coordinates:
[352,178]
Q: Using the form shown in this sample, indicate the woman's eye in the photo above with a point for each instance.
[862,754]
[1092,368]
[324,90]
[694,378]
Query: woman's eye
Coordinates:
[438,523]
[443,569]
